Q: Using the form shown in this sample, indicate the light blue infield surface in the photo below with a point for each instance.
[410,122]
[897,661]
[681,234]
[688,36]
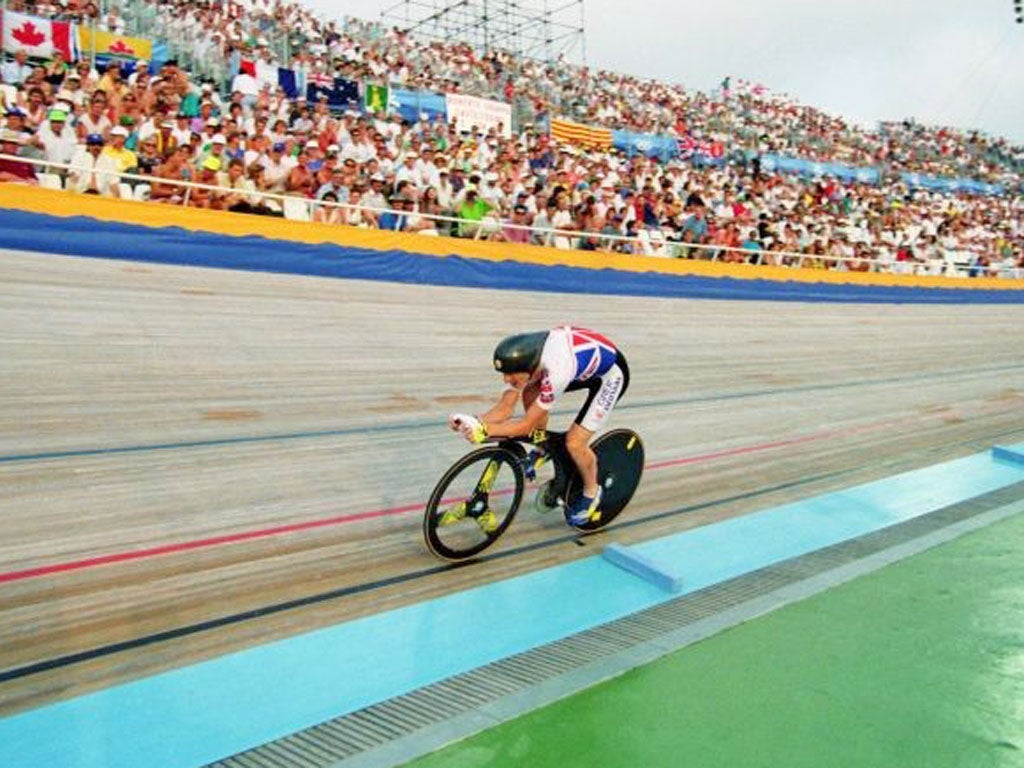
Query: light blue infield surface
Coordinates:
[199,714]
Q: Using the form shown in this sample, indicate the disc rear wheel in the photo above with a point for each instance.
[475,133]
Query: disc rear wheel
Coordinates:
[620,464]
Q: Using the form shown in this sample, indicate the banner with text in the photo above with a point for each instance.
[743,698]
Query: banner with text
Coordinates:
[470,111]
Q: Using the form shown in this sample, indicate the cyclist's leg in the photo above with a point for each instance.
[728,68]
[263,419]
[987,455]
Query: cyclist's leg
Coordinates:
[603,394]
[577,442]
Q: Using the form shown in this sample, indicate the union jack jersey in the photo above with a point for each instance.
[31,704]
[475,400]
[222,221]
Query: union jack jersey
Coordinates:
[572,355]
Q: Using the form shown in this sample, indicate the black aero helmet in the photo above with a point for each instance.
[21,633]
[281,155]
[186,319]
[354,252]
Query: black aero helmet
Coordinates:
[519,353]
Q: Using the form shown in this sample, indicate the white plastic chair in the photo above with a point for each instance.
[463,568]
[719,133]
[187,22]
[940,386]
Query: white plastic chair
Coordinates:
[296,209]
[50,181]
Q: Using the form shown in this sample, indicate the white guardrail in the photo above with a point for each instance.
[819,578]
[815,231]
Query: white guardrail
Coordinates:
[647,243]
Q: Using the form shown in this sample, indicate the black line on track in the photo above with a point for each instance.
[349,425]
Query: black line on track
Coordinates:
[269,610]
[68,660]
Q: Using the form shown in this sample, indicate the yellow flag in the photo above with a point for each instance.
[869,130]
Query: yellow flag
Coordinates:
[109,44]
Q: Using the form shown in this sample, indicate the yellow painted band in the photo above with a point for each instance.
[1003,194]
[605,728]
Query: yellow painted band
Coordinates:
[58,203]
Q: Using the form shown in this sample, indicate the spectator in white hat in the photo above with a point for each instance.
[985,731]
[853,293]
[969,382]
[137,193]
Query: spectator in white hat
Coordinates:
[124,159]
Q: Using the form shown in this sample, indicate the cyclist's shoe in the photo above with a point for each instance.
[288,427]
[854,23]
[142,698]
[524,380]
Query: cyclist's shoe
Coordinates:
[452,514]
[585,510]
[488,521]
[534,460]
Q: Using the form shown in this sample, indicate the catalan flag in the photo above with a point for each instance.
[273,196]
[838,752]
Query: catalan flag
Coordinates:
[584,135]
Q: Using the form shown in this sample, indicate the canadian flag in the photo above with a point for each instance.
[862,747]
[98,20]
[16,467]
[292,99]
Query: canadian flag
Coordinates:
[39,38]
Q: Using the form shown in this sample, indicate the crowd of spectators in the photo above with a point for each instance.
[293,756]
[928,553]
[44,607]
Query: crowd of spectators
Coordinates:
[376,170]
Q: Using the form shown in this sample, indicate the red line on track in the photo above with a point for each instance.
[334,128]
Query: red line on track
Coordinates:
[234,538]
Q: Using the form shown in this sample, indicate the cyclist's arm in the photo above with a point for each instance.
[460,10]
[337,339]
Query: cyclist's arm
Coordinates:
[535,418]
[503,410]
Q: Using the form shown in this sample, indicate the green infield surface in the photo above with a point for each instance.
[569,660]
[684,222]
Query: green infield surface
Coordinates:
[920,663]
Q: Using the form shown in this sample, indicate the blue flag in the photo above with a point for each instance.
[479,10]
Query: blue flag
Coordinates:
[286,79]
[340,94]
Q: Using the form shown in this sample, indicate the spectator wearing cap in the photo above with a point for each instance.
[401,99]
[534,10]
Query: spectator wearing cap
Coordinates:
[57,140]
[94,172]
[277,167]
[206,120]
[314,155]
[445,189]
[14,170]
[124,159]
[215,147]
[491,193]
[407,170]
[15,117]
[395,218]
[166,141]
[129,124]
[73,91]
[375,199]
[199,197]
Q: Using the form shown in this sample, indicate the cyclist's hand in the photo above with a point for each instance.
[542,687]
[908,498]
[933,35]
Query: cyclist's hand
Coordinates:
[456,420]
[471,428]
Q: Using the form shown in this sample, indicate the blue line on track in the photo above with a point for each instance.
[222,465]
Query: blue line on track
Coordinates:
[205,712]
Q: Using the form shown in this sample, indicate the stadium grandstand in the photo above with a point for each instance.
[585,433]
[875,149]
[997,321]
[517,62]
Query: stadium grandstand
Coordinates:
[264,108]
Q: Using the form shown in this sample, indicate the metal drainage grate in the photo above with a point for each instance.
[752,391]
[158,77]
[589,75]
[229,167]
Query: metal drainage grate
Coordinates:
[357,733]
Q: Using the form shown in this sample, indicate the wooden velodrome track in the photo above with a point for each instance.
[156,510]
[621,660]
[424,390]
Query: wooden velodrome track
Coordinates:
[303,420]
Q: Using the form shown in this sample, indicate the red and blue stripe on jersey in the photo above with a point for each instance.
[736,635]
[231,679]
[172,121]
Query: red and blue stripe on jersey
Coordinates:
[595,354]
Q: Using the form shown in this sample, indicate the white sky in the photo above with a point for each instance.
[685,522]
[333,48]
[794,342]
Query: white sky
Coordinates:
[946,62]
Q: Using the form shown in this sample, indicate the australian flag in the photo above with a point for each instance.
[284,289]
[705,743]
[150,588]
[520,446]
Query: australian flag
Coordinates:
[341,93]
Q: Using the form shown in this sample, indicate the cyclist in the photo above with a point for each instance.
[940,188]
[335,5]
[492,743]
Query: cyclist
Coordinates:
[540,366]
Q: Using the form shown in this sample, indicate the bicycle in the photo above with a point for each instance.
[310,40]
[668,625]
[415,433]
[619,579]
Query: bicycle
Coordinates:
[475,501]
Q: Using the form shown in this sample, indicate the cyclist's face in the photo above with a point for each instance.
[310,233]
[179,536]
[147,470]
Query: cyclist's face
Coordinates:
[517,380]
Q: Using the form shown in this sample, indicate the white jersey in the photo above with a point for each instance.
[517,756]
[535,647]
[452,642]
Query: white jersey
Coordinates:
[576,358]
